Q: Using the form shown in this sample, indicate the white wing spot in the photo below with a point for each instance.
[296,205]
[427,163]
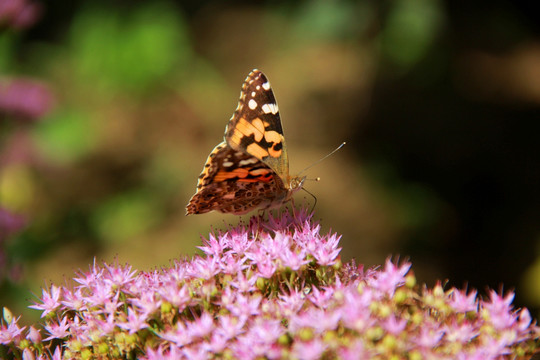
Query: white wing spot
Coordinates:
[258,87]
[266,86]
[228,163]
[270,108]
[253,93]
[252,104]
[247,161]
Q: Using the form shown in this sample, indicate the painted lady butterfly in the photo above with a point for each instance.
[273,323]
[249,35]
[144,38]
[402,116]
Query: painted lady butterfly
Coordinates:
[250,169]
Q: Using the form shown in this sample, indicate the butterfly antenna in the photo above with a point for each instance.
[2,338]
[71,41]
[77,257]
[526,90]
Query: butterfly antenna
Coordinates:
[317,162]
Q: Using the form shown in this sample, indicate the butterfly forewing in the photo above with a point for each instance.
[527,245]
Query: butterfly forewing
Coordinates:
[255,127]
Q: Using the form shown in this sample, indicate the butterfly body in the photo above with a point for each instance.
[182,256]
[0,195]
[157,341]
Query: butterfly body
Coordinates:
[250,169]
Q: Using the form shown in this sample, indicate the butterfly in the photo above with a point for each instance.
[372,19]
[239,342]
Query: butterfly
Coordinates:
[250,169]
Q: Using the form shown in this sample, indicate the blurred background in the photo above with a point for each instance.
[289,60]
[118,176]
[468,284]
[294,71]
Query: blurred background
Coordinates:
[108,111]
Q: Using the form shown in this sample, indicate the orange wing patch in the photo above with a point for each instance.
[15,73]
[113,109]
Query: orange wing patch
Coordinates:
[223,175]
[257,151]
[244,128]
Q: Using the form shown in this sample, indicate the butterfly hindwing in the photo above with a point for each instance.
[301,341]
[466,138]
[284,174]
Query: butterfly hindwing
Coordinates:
[235,182]
[255,127]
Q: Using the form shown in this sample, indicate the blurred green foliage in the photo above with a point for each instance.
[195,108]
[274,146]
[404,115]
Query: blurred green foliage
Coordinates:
[321,20]
[411,28]
[66,136]
[117,50]
[123,217]
[5,50]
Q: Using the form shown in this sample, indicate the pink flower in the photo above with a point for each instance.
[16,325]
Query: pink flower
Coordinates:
[197,353]
[212,246]
[164,353]
[34,335]
[89,279]
[322,298]
[101,294]
[231,326]
[73,299]
[266,268]
[170,292]
[205,268]
[12,332]
[463,302]
[238,240]
[355,351]
[217,343]
[28,355]
[316,319]
[290,303]
[394,325]
[244,284]
[294,259]
[461,333]
[179,335]
[135,322]
[58,330]
[148,302]
[50,301]
[429,337]
[104,327]
[267,330]
[311,350]
[202,326]
[245,305]
[327,252]
[524,320]
[390,278]
[232,264]
[119,276]
[500,310]
[57,355]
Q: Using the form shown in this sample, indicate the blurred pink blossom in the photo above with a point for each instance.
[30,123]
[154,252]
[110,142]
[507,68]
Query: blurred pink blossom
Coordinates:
[25,98]
[19,14]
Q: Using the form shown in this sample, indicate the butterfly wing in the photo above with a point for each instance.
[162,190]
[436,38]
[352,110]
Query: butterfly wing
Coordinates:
[255,127]
[235,182]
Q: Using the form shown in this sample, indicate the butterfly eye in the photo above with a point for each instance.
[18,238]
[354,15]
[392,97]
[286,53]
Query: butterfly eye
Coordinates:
[296,183]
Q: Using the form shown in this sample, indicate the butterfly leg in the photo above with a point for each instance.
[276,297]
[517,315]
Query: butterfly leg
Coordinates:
[314,198]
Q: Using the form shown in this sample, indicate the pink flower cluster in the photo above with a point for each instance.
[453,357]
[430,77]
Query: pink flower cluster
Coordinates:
[272,289]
